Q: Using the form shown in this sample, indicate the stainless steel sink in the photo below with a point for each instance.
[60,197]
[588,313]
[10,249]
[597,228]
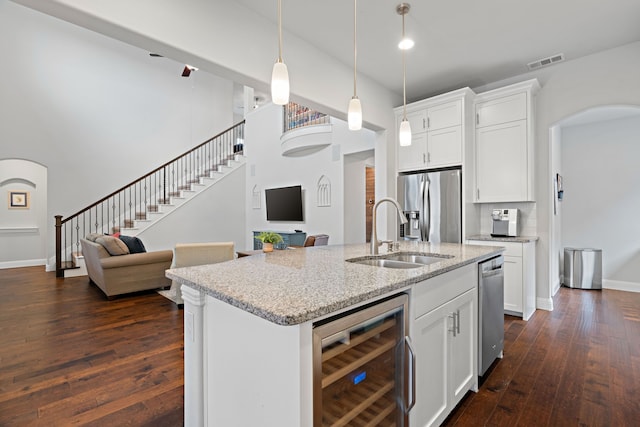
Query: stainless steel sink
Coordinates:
[388,263]
[400,260]
[417,259]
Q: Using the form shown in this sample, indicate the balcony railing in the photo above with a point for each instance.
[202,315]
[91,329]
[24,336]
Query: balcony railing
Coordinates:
[297,116]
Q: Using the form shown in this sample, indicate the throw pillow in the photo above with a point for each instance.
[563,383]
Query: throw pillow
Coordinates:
[93,236]
[134,244]
[113,245]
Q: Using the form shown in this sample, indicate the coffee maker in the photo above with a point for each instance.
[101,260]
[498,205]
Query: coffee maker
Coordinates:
[504,222]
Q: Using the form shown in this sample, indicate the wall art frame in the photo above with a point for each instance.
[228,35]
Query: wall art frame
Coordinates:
[19,200]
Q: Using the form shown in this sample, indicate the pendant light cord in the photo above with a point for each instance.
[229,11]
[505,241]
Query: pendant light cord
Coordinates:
[404,76]
[279,30]
[355,48]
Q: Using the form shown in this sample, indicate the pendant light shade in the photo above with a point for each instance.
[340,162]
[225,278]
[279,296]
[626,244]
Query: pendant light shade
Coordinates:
[354,116]
[280,84]
[405,133]
[280,74]
[354,113]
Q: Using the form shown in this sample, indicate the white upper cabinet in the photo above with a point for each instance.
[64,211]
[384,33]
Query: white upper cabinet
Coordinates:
[438,131]
[502,110]
[504,144]
[444,115]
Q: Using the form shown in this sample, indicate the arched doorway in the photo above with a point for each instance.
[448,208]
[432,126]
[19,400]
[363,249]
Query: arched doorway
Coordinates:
[23,213]
[595,153]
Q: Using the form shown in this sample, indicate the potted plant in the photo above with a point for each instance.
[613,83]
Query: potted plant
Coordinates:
[268,239]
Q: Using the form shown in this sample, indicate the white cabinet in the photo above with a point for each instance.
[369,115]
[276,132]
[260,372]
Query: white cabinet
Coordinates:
[519,276]
[437,127]
[444,334]
[501,159]
[504,144]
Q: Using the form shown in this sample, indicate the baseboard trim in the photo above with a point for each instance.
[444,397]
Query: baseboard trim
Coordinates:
[619,285]
[23,263]
[556,288]
[544,304]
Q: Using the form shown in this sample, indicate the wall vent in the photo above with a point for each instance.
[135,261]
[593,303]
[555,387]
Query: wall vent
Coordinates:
[550,60]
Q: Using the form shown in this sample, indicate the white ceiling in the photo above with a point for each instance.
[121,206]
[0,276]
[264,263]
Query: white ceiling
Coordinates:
[458,42]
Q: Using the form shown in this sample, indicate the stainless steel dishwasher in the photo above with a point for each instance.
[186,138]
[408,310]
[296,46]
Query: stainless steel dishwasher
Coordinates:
[490,312]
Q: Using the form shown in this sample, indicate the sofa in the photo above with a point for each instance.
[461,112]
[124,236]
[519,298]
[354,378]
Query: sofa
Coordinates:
[129,272]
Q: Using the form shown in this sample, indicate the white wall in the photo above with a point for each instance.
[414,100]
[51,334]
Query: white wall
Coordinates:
[23,231]
[601,196]
[267,168]
[200,36]
[96,112]
[555,247]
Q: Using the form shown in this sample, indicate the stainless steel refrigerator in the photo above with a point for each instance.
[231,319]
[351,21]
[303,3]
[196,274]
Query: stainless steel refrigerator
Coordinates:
[432,203]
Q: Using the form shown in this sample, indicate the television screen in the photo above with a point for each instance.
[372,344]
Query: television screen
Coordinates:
[284,204]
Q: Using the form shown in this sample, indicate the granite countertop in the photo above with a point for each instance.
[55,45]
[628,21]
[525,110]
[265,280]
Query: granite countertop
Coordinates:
[293,286]
[517,239]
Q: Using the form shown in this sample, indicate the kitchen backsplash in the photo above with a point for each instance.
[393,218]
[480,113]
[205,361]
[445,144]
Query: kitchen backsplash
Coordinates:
[527,217]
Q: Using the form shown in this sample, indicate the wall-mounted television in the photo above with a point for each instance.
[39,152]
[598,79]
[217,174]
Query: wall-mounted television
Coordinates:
[284,204]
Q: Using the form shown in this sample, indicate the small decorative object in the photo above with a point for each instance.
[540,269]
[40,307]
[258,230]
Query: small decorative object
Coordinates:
[268,239]
[18,200]
[255,197]
[324,192]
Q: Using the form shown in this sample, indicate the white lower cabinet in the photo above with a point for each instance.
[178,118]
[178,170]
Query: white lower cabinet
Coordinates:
[445,343]
[513,284]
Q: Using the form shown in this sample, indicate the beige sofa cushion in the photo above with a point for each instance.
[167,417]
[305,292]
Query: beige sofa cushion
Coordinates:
[113,245]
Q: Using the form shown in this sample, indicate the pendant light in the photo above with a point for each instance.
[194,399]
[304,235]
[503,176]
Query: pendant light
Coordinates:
[404,135]
[354,115]
[280,74]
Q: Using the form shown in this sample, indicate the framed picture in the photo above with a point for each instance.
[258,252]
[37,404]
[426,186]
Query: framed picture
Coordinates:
[18,200]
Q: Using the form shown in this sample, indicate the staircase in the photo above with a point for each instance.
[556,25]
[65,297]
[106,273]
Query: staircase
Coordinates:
[142,203]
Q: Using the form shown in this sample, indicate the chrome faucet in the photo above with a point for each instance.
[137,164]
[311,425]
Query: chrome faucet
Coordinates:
[374,232]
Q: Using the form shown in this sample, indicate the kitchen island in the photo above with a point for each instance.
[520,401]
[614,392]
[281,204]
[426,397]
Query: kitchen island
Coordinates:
[248,322]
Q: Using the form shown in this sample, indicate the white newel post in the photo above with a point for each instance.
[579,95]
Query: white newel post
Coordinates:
[193,357]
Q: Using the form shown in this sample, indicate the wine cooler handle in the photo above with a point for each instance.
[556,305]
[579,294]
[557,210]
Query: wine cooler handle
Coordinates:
[411,404]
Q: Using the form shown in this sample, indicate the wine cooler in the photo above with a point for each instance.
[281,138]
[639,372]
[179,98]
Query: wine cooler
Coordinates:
[364,367]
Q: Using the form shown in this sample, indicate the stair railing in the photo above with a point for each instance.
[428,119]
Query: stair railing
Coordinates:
[135,200]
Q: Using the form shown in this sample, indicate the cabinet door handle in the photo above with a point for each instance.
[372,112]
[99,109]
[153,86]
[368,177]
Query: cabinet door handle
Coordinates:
[429,157]
[412,366]
[452,316]
[424,126]
[424,158]
[428,122]
[457,322]
[477,194]
[477,119]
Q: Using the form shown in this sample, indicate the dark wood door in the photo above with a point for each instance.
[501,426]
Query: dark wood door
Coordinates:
[370,198]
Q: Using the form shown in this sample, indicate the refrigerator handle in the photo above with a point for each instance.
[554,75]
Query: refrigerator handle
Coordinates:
[426,214]
[421,213]
[412,376]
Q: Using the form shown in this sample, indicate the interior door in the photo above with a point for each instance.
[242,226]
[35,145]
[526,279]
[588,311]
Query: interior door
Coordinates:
[370,199]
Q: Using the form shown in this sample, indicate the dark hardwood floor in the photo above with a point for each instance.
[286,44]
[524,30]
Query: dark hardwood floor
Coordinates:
[576,366]
[70,357]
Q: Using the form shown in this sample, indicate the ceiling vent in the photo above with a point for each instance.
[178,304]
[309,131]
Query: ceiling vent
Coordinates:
[545,61]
